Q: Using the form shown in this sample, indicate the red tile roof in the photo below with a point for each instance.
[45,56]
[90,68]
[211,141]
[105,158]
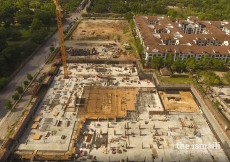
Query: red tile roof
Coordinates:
[186,41]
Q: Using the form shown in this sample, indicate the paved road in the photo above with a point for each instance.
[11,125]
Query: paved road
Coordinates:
[214,124]
[31,67]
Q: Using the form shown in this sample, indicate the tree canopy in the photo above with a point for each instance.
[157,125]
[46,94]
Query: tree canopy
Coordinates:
[205,9]
[189,64]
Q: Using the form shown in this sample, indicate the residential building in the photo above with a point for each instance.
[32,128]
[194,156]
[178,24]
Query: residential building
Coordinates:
[183,38]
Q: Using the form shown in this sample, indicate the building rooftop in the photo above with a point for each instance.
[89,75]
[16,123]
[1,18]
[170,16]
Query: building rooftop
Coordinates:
[160,33]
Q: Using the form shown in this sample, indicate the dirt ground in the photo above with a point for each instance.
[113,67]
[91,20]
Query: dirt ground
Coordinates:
[103,29]
[107,102]
[99,33]
[186,103]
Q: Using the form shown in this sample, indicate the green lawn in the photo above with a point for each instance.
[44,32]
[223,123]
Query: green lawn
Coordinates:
[181,79]
[15,43]
[164,80]
[25,34]
[53,28]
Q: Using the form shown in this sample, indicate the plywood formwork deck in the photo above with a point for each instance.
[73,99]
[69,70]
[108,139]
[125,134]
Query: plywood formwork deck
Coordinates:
[107,102]
[185,104]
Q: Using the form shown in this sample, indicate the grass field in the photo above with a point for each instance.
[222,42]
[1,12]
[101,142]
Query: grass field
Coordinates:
[175,79]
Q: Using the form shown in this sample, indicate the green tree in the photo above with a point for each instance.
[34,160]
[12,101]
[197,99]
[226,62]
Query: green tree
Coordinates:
[28,48]
[169,60]
[3,82]
[24,16]
[29,77]
[131,23]
[15,35]
[227,76]
[177,65]
[205,61]
[128,16]
[12,57]
[8,105]
[39,36]
[26,83]
[15,96]
[52,48]
[24,19]
[46,17]
[139,46]
[172,14]
[19,89]
[218,64]
[210,78]
[3,38]
[36,25]
[7,14]
[192,64]
[157,62]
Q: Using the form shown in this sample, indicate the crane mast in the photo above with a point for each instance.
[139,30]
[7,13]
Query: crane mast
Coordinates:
[59,16]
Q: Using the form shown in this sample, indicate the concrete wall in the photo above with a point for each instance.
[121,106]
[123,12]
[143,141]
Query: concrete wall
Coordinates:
[163,87]
[101,61]
[105,18]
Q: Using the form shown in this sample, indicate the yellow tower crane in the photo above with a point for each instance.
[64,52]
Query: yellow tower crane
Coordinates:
[61,37]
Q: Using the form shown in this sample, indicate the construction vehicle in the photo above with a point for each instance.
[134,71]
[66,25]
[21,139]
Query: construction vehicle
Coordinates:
[59,15]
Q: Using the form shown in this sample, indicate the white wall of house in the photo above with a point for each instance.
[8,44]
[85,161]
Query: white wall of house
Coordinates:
[149,56]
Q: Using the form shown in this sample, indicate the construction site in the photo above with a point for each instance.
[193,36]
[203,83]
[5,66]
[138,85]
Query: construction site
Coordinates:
[115,30]
[104,112]
[95,107]
[100,39]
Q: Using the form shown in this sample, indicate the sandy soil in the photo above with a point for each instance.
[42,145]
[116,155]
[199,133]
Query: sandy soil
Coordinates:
[110,31]
[186,103]
[103,29]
